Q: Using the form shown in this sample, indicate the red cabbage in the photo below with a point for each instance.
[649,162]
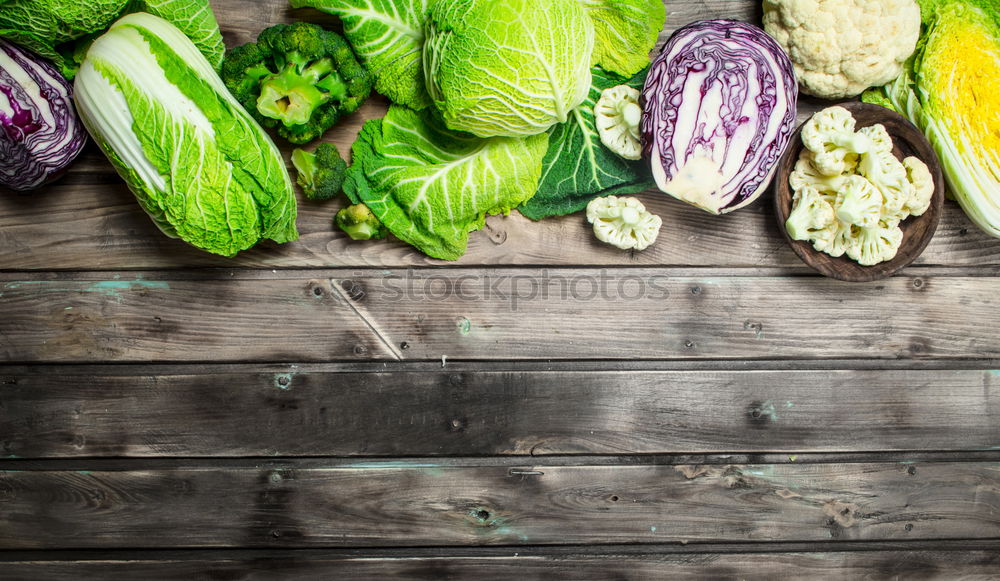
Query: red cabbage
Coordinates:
[718,110]
[40,133]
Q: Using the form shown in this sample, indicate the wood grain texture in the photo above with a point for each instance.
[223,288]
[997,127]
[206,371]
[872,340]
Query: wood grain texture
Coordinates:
[454,413]
[493,314]
[956,565]
[148,320]
[401,503]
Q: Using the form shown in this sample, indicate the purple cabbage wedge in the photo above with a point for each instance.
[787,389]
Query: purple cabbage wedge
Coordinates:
[40,134]
[718,111]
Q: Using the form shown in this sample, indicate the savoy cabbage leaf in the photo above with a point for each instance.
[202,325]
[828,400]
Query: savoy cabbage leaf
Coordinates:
[626,30]
[577,167]
[431,186]
[388,38]
[52,28]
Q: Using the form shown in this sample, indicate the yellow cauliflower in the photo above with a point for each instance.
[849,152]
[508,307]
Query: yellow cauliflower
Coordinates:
[842,47]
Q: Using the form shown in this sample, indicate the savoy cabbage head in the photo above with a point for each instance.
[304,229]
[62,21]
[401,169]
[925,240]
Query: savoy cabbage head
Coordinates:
[507,68]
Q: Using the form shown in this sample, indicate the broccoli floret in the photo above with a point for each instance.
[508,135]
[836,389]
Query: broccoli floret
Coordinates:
[297,78]
[320,172]
[360,224]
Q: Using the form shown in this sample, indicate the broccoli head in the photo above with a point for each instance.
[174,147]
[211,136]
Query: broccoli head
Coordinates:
[320,172]
[360,223]
[297,78]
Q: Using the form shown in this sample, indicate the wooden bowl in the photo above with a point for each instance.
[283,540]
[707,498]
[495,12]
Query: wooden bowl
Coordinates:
[917,230]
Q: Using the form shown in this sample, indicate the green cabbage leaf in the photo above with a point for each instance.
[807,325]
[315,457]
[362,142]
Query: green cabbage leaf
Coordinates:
[388,38]
[577,167]
[431,186]
[197,163]
[52,28]
[507,68]
[949,90]
[625,30]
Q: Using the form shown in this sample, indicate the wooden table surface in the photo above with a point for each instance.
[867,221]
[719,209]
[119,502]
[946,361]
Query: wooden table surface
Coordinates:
[546,406]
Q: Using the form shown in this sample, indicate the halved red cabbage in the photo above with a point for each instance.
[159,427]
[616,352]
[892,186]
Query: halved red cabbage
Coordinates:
[718,111]
[40,133]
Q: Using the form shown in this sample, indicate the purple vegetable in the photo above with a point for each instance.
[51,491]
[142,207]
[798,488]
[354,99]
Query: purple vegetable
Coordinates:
[40,133]
[718,110]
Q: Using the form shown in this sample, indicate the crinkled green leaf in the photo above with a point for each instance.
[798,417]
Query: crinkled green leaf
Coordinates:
[43,25]
[195,19]
[431,186]
[388,37]
[46,26]
[578,167]
[626,31]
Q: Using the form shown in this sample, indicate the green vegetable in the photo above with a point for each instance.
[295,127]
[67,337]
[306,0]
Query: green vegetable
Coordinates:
[949,90]
[625,32]
[360,223]
[50,27]
[507,68]
[431,186]
[578,167]
[388,37]
[196,161]
[297,78]
[321,172]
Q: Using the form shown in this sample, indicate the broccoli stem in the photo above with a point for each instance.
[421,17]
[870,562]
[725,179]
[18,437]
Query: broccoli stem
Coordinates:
[293,94]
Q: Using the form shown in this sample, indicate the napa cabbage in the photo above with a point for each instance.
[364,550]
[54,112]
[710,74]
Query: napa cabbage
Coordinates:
[949,90]
[196,161]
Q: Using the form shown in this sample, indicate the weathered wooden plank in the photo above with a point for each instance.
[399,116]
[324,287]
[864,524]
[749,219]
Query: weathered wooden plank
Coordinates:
[407,504]
[454,413]
[493,314]
[136,319]
[956,565]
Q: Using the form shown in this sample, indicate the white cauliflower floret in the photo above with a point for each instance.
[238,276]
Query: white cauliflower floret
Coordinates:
[860,203]
[617,115]
[876,244]
[830,136]
[878,137]
[887,174]
[805,174]
[623,222]
[841,47]
[923,186]
[811,216]
[836,241]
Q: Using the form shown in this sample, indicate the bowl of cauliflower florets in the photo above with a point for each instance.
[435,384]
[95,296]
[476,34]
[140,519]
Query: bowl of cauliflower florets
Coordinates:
[858,192]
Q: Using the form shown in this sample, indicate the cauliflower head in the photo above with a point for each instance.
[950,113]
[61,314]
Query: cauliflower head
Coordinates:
[623,222]
[841,47]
